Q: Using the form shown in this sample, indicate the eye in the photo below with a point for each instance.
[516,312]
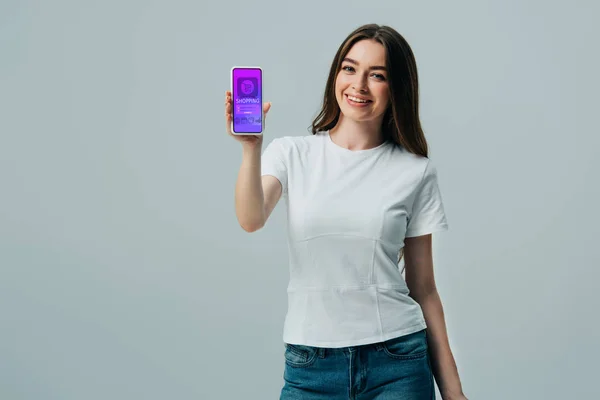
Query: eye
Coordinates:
[345,68]
[379,76]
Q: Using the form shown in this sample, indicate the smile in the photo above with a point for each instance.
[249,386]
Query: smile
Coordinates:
[356,102]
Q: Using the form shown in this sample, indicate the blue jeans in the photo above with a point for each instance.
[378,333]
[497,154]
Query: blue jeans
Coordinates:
[397,369]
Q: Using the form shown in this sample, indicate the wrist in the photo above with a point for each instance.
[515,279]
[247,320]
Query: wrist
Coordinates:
[453,396]
[252,149]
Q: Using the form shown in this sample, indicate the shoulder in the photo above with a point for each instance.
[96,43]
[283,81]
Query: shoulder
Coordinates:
[411,163]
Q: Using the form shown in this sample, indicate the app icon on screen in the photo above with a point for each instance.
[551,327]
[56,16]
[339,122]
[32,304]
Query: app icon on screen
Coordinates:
[247,87]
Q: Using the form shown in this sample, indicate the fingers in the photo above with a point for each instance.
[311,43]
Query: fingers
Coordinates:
[228,101]
[228,116]
[228,110]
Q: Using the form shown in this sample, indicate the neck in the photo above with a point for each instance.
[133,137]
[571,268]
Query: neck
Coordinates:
[356,135]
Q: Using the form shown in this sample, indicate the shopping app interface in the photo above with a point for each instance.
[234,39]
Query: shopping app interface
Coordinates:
[247,100]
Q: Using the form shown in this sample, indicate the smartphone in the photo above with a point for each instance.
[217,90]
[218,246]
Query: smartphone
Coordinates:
[247,101]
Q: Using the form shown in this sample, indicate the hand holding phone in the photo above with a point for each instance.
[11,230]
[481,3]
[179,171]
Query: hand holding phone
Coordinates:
[245,139]
[245,111]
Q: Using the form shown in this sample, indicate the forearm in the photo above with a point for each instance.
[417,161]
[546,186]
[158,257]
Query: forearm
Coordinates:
[249,196]
[443,364]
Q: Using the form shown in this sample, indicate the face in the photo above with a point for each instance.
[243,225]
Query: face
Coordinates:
[361,86]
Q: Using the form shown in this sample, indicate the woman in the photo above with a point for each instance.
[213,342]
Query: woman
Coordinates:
[361,194]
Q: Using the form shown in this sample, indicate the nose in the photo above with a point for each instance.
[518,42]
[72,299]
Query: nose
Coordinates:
[360,84]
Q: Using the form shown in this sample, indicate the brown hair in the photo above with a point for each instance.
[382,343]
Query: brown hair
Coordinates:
[401,120]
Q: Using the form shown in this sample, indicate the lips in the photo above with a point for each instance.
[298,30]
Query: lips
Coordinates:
[356,104]
[358,97]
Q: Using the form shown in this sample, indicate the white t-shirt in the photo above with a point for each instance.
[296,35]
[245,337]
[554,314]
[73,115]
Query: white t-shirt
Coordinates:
[348,213]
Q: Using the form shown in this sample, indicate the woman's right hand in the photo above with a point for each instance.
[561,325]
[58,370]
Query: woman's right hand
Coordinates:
[246,140]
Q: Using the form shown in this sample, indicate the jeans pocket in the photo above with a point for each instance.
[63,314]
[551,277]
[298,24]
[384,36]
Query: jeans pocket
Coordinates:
[407,347]
[299,356]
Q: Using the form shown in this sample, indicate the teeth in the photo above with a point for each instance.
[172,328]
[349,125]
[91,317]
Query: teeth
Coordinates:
[356,99]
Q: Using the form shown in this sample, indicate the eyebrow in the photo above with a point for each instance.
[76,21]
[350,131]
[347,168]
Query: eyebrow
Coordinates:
[351,61]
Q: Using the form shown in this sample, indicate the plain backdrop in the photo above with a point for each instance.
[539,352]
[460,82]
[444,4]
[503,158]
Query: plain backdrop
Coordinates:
[123,271]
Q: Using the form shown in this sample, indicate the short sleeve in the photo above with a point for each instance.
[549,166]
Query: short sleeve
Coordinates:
[273,162]
[427,214]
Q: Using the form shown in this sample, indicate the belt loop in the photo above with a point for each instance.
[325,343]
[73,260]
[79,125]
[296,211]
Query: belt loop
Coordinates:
[322,351]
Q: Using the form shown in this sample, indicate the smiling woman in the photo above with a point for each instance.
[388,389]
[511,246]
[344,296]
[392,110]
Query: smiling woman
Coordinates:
[360,192]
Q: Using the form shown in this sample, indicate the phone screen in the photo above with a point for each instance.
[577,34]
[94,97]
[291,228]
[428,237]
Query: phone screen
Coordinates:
[247,100]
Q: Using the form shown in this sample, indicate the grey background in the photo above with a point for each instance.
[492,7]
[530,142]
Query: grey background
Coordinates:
[123,271]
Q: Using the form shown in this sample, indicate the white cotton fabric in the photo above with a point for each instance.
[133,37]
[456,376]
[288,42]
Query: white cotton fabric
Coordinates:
[348,213]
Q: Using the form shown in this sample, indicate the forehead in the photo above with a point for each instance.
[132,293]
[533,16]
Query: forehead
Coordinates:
[368,52]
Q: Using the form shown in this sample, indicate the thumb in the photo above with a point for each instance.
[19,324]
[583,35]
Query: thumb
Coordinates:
[266,107]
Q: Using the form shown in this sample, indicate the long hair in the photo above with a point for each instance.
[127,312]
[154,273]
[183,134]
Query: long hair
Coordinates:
[401,122]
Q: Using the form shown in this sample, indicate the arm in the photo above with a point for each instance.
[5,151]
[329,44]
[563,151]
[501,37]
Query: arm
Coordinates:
[255,196]
[421,283]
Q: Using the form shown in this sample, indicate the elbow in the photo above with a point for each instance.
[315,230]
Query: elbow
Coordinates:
[251,227]
[252,224]
[420,296]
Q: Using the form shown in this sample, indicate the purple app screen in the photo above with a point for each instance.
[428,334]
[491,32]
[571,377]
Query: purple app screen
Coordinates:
[247,100]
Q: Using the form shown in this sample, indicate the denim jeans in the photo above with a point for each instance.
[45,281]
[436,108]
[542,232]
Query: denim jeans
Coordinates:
[397,369]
